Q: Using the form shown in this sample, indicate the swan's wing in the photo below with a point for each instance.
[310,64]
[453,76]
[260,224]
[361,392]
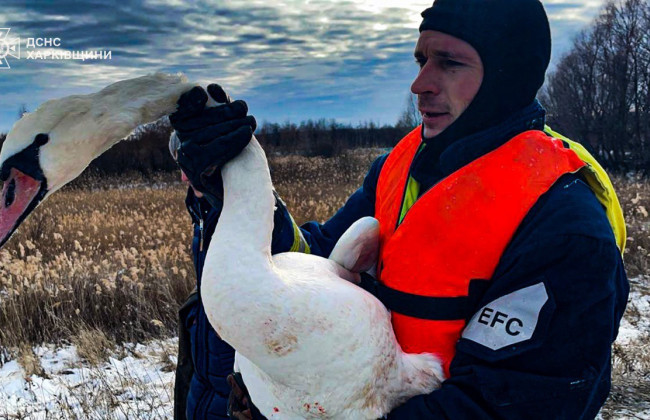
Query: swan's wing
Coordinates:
[358,248]
[323,340]
[261,389]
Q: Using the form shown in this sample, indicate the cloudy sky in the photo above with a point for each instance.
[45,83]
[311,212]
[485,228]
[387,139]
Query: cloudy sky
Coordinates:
[350,60]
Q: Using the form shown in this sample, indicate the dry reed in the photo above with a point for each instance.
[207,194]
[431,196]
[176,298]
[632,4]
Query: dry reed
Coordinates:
[108,260]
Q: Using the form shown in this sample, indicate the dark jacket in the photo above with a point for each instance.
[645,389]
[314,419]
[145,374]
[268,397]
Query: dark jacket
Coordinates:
[211,358]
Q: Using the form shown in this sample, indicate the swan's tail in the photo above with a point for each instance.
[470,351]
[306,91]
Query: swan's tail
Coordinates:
[415,374]
[422,373]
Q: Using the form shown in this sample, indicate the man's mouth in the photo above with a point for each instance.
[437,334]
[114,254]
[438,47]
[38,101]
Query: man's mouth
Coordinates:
[434,118]
[433,114]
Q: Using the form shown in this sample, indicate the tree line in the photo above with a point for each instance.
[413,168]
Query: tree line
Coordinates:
[326,137]
[599,93]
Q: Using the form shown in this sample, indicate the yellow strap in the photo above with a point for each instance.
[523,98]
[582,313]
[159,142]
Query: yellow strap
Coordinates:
[601,185]
[411,193]
[410,197]
[299,242]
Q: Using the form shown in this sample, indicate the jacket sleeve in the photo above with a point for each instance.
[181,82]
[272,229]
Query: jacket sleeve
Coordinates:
[539,344]
[321,238]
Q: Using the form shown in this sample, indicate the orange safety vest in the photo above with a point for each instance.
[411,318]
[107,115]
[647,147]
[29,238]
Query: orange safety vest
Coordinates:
[434,266]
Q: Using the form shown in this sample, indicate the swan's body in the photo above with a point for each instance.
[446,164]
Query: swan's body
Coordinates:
[313,343]
[310,343]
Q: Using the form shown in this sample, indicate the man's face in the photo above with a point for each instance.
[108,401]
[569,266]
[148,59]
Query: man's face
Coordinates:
[450,75]
[186,180]
[174,145]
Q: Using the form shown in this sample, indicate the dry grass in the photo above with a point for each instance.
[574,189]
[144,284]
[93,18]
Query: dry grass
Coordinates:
[634,194]
[115,260]
[29,361]
[315,188]
[107,261]
[93,346]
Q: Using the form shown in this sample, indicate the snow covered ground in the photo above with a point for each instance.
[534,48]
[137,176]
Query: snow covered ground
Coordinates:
[635,326]
[136,382]
[630,396]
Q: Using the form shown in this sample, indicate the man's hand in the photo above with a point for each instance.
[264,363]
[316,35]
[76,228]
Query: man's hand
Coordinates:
[210,137]
[238,400]
[240,406]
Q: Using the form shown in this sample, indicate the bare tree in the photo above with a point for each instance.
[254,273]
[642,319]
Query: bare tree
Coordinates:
[410,117]
[599,92]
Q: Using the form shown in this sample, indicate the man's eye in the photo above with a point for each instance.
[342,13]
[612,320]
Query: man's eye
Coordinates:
[420,62]
[452,63]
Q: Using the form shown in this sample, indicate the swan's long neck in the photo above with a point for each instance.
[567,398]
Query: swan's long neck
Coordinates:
[246,220]
[239,279]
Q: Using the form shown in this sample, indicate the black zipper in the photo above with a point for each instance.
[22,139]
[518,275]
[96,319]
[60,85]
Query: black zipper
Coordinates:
[201,235]
[198,217]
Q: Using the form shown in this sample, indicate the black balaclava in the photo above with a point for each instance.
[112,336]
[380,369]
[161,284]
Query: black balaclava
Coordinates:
[513,39]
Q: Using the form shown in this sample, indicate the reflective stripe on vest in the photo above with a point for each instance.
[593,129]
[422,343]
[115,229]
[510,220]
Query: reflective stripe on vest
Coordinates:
[453,236]
[601,185]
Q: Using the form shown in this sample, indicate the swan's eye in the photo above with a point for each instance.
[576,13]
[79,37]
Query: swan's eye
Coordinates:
[11,193]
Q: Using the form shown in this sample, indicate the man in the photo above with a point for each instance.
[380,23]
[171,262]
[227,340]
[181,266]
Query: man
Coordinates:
[201,389]
[204,360]
[500,246]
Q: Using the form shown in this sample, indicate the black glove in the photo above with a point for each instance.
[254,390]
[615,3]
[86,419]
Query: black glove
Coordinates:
[240,406]
[210,137]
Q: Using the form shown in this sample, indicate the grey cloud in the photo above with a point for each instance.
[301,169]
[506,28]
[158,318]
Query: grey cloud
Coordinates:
[272,54]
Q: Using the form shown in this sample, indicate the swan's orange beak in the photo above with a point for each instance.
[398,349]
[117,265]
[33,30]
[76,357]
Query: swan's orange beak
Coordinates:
[20,195]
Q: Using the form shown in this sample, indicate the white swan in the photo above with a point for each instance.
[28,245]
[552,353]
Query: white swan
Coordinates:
[309,343]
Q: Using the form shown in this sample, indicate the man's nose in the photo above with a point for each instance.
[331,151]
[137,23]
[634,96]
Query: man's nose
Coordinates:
[427,81]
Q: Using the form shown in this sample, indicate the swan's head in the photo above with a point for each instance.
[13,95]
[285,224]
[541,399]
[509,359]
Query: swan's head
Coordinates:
[50,147]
